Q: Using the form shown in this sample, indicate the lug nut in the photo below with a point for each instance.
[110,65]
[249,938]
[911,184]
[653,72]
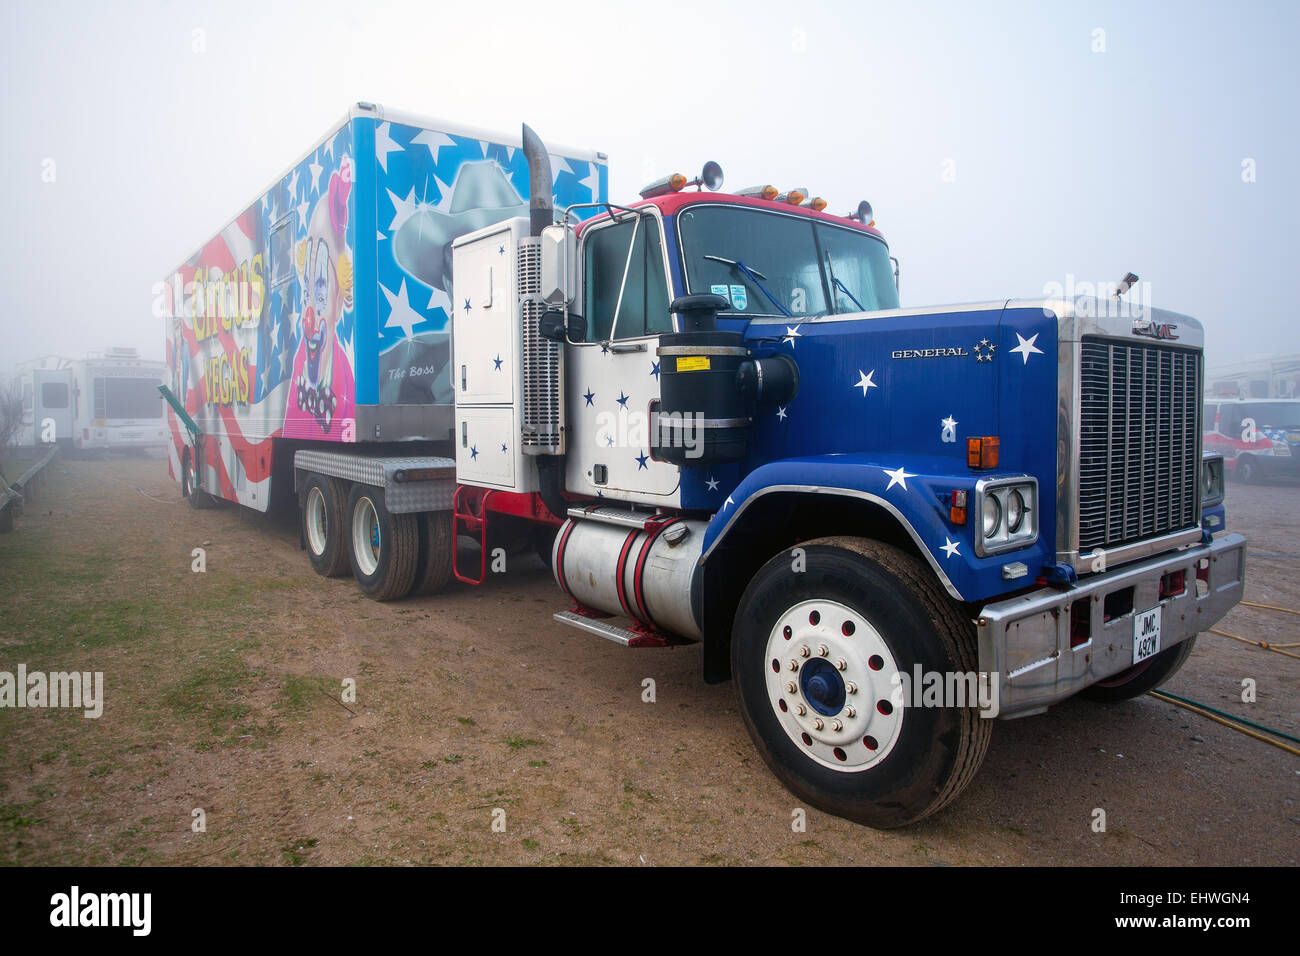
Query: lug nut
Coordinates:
[803,651]
[818,723]
[836,725]
[840,665]
[800,709]
[850,712]
[851,687]
[794,664]
[821,650]
[789,687]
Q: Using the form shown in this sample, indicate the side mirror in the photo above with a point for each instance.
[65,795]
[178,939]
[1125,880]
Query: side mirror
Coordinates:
[551,326]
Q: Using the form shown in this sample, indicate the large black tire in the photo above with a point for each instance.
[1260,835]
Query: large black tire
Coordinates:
[931,752]
[197,498]
[1140,678]
[1248,471]
[433,570]
[324,517]
[384,548]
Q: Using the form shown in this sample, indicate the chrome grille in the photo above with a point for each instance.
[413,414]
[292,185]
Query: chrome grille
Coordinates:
[1139,441]
[541,360]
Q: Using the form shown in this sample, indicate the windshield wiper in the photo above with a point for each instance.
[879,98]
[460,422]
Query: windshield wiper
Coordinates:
[837,284]
[754,277]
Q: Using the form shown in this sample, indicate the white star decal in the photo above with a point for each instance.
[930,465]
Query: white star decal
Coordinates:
[949,547]
[865,381]
[293,185]
[780,413]
[713,484]
[592,180]
[402,315]
[403,209]
[302,208]
[949,423]
[898,477]
[433,141]
[385,144]
[727,502]
[1027,347]
[791,334]
[315,168]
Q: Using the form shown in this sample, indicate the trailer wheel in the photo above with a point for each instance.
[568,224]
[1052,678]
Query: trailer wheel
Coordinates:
[324,525]
[385,547]
[818,638]
[433,570]
[1140,678]
[197,498]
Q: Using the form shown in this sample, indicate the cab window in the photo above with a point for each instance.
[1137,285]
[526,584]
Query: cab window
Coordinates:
[644,307]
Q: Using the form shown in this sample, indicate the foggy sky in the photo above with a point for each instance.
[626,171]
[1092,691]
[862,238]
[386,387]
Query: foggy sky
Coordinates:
[1000,151]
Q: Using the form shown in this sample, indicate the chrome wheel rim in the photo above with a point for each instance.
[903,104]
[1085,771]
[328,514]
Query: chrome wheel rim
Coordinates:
[317,526]
[366,538]
[831,685]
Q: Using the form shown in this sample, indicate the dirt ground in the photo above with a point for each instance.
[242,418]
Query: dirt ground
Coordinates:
[222,695]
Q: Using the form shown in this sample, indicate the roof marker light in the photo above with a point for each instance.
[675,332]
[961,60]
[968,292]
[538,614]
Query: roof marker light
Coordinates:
[794,197]
[818,203]
[759,192]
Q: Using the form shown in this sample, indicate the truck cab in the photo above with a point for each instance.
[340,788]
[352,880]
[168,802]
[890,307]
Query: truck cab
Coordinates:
[743,440]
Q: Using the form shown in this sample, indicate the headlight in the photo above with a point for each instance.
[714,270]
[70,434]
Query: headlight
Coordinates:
[1015,511]
[1211,479]
[1008,509]
[992,516]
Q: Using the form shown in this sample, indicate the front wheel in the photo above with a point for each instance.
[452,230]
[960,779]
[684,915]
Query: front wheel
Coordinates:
[819,638]
[197,497]
[385,548]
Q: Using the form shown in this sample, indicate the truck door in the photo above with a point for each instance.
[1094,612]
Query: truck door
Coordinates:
[612,377]
[52,405]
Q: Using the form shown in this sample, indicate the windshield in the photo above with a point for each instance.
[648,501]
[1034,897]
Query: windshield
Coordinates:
[1273,414]
[127,398]
[769,263]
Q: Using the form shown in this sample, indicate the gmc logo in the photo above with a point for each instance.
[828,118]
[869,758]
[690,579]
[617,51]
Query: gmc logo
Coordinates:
[1161,330]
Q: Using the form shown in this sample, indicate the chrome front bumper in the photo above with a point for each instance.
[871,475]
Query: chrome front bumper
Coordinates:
[1026,640]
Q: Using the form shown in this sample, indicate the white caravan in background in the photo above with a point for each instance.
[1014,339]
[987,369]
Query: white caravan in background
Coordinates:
[106,401]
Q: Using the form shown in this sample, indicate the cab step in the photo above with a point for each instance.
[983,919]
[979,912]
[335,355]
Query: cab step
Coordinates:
[636,636]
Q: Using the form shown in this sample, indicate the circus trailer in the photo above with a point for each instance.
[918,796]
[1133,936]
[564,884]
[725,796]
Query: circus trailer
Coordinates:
[107,401]
[709,413]
[318,320]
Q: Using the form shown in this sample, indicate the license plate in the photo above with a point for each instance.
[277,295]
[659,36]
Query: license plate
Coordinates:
[1146,634]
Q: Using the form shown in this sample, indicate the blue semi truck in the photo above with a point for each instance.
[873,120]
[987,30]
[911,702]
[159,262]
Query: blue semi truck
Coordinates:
[709,413]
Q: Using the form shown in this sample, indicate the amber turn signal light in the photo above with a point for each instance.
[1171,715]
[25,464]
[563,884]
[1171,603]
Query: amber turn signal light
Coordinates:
[982,452]
[957,507]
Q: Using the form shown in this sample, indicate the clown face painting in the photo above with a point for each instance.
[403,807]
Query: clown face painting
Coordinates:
[323,384]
